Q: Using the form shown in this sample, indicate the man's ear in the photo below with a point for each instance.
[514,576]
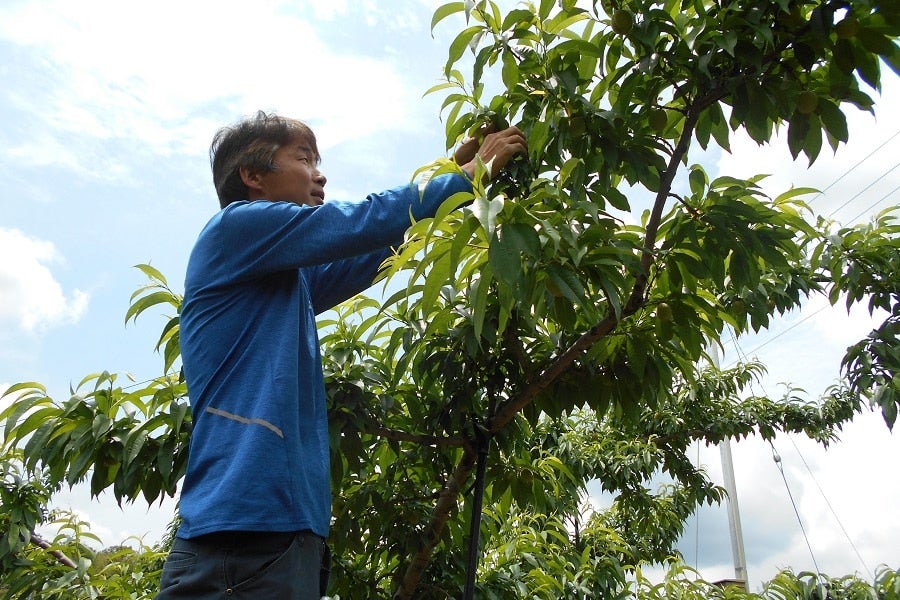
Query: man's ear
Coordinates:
[253,181]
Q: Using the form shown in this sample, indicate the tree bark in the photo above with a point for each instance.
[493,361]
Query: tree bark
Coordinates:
[447,501]
[57,554]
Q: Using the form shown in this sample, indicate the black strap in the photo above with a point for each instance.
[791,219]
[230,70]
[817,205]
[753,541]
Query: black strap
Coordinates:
[483,442]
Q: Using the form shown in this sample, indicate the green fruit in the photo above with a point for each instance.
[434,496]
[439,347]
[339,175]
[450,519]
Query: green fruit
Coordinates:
[807,102]
[847,27]
[658,119]
[664,312]
[664,328]
[622,21]
[577,126]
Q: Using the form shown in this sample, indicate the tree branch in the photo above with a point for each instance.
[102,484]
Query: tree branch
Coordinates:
[57,554]
[447,501]
[423,440]
[448,498]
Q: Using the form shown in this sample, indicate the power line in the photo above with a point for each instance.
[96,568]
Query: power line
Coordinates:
[777,459]
[812,476]
[776,336]
[860,192]
[831,508]
[851,169]
[879,201]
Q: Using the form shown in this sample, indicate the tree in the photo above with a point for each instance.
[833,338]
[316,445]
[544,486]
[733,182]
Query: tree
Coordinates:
[546,327]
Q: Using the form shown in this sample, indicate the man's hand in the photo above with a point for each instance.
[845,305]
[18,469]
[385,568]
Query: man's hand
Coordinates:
[495,151]
[469,148]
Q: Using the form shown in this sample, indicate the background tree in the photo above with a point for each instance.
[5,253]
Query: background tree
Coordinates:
[551,323]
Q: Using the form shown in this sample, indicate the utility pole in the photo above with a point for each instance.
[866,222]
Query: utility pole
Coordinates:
[734,516]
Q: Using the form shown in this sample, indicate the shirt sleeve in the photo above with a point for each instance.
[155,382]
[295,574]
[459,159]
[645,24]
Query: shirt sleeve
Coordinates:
[247,240]
[332,283]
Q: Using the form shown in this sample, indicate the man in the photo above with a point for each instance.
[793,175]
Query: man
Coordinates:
[256,500]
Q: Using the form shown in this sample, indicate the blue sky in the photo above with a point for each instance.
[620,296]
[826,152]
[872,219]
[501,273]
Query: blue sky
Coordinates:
[106,113]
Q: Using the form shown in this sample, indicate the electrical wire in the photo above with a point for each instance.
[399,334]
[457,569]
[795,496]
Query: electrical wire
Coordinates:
[851,169]
[865,189]
[776,336]
[879,201]
[831,508]
[812,476]
[777,459]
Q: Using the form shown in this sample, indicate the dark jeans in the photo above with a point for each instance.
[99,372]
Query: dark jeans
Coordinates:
[246,565]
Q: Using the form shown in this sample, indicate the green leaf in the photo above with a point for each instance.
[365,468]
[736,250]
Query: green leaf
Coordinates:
[504,258]
[893,59]
[134,443]
[833,119]
[481,290]
[797,132]
[793,193]
[698,180]
[152,273]
[518,17]
[510,71]
[567,283]
[146,302]
[438,276]
[876,42]
[101,426]
[486,212]
[545,8]
[445,11]
[459,45]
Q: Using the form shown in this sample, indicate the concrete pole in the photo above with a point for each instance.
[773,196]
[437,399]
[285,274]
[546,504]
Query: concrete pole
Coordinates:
[734,515]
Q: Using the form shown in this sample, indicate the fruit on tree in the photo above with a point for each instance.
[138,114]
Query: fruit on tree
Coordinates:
[658,119]
[577,125]
[807,102]
[622,21]
[664,312]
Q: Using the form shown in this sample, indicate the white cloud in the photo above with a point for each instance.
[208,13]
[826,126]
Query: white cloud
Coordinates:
[30,296]
[113,524]
[161,73]
[845,496]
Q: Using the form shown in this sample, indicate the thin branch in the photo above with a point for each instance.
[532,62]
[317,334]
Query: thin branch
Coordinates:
[423,440]
[57,554]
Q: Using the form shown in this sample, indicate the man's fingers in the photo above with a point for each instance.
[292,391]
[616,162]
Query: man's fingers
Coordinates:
[502,146]
[469,146]
[497,148]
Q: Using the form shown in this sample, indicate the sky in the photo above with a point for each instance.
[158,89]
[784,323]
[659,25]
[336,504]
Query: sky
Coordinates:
[106,114]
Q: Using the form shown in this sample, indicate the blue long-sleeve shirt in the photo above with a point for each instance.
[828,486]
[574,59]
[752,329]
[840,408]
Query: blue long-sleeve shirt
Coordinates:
[257,276]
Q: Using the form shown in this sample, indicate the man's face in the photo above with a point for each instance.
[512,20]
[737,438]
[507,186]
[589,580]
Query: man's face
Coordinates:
[296,177]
